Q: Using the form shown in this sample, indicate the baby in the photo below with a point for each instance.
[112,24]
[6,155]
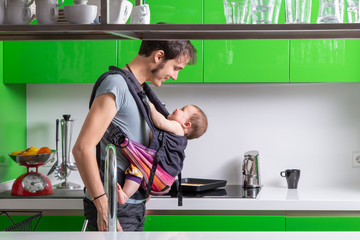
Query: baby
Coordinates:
[189,121]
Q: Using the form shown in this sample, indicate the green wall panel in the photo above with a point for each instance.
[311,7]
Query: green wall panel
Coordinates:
[330,60]
[323,224]
[12,124]
[57,61]
[214,223]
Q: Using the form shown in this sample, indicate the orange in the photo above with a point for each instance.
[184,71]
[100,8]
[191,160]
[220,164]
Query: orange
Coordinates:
[44,150]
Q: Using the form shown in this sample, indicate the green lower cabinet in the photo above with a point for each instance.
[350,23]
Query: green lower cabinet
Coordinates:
[46,223]
[57,61]
[325,60]
[323,223]
[214,223]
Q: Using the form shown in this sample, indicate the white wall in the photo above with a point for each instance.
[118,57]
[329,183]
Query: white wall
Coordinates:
[313,127]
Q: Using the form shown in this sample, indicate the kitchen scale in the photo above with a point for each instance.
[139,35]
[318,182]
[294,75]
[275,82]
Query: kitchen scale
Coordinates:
[32,183]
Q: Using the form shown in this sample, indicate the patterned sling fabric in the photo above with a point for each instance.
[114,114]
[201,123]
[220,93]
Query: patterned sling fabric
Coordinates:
[143,158]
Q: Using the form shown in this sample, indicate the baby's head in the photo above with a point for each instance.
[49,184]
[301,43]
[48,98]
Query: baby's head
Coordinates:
[198,122]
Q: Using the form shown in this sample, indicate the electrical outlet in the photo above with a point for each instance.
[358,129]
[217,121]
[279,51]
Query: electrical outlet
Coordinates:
[356,160]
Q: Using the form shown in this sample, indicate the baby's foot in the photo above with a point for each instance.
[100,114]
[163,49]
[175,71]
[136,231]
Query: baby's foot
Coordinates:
[122,197]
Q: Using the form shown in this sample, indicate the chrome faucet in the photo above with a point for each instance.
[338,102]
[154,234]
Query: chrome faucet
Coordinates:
[110,179]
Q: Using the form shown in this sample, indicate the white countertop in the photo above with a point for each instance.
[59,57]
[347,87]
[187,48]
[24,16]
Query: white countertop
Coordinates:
[346,198]
[179,235]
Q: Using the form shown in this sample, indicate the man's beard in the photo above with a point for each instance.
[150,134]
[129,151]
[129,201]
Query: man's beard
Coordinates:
[159,67]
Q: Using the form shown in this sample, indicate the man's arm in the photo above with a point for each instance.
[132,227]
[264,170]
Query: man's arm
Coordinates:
[102,111]
[161,122]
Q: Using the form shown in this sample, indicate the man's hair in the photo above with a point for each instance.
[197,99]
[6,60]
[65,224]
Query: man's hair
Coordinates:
[199,123]
[173,49]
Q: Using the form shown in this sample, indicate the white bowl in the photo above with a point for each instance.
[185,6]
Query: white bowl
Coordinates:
[80,13]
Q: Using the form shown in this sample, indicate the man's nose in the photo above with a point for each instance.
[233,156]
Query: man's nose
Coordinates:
[174,76]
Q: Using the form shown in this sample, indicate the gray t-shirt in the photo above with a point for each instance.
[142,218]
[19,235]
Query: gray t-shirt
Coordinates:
[128,118]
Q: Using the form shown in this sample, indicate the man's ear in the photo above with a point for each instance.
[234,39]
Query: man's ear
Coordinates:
[159,56]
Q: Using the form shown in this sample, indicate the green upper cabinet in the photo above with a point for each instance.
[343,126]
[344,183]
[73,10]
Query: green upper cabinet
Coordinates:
[57,61]
[325,60]
[171,12]
[243,60]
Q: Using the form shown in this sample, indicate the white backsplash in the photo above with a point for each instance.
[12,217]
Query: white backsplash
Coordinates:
[313,127]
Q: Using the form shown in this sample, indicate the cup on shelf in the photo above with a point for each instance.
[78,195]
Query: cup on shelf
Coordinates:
[120,11]
[140,14]
[353,10]
[297,11]
[331,11]
[47,11]
[237,11]
[265,11]
[19,12]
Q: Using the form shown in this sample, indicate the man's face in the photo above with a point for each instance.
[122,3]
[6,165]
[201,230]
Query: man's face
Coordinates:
[168,69]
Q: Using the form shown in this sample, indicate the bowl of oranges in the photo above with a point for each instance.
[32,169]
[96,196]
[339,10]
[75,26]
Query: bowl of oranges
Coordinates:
[33,156]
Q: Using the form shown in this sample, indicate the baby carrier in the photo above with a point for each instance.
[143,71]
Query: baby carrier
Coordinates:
[163,160]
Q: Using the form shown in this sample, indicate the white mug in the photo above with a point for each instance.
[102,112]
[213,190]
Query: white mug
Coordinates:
[120,11]
[19,12]
[47,11]
[2,11]
[140,14]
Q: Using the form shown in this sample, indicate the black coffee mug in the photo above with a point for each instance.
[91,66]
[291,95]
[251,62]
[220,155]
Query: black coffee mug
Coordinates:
[292,177]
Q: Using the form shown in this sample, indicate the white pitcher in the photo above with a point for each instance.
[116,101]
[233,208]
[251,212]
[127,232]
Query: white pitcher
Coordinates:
[19,12]
[47,11]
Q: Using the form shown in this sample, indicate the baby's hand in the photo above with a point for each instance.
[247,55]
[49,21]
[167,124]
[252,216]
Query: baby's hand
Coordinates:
[151,104]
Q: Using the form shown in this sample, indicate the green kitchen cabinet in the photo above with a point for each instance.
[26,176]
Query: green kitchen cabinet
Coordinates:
[243,60]
[57,61]
[328,60]
[12,124]
[213,223]
[319,223]
[170,12]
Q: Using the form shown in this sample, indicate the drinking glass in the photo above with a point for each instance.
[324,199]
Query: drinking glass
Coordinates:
[237,11]
[262,11]
[297,11]
[353,9]
[331,11]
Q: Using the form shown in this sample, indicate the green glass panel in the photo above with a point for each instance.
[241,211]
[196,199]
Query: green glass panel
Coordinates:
[57,61]
[325,60]
[214,223]
[214,12]
[172,12]
[323,224]
[246,61]
[12,125]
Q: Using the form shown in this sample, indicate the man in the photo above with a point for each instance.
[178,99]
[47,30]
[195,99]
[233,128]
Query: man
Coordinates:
[114,106]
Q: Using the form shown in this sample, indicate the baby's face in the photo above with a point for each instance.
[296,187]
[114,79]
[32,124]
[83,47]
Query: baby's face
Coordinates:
[182,115]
